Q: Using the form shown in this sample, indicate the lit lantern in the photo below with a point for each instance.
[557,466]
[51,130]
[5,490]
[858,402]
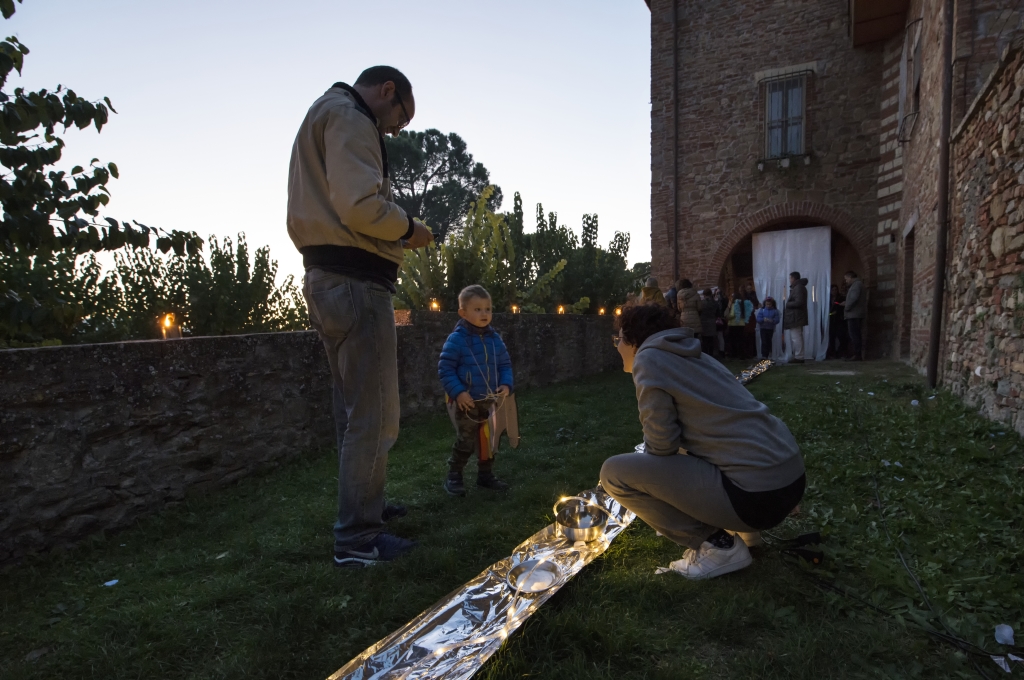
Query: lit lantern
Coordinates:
[170,329]
[561,309]
[601,311]
[515,309]
[435,306]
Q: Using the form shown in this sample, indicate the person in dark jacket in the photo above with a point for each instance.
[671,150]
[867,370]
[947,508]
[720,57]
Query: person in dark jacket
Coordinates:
[476,372]
[714,459]
[750,294]
[688,306]
[670,297]
[708,325]
[856,308]
[794,318]
[767,320]
[836,324]
[739,313]
[720,326]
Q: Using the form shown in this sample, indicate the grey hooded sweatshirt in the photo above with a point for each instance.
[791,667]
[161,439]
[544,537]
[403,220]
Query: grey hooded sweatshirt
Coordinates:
[690,401]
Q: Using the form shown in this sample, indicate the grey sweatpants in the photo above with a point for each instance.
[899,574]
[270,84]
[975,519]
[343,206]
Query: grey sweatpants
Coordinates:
[680,496]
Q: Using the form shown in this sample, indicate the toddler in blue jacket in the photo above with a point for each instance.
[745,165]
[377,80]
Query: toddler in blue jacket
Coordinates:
[476,372]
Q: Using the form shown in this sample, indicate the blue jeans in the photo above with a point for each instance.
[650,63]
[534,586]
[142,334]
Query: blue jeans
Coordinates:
[356,322]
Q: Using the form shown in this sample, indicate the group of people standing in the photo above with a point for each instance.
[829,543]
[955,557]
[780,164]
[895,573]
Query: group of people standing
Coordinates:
[729,327]
[726,327]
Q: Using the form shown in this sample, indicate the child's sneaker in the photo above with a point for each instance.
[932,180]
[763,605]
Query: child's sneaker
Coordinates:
[708,561]
[382,548]
[453,485]
[491,482]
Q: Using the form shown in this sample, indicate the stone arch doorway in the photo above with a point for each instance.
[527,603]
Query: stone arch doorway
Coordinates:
[738,268]
[852,245]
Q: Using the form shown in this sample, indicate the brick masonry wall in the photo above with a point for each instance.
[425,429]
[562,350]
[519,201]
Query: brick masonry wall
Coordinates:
[722,195]
[984,348]
[982,29]
[94,436]
[919,206]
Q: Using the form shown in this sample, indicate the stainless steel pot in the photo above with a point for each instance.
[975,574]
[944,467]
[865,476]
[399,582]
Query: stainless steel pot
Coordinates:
[583,520]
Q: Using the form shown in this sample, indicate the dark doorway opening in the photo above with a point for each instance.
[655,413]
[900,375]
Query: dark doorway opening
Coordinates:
[907,297]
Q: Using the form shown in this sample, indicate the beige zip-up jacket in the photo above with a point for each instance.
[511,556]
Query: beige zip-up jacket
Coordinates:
[339,193]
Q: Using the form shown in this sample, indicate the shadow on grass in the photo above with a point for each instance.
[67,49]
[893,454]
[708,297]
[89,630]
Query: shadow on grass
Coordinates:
[240,584]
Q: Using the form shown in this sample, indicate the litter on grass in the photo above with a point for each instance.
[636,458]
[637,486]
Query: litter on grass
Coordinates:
[915,402]
[1002,663]
[931,397]
[871,394]
[1004,634]
[898,464]
[111,583]
[886,463]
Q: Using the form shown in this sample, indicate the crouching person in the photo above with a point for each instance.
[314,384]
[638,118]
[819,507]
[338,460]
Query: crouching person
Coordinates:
[715,461]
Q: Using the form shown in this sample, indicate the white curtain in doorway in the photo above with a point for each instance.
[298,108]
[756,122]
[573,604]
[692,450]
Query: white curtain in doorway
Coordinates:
[808,251]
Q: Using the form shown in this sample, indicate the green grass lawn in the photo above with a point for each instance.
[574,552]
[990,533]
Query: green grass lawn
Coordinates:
[240,584]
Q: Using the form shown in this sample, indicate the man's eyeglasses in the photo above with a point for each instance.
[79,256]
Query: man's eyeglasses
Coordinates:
[405,113]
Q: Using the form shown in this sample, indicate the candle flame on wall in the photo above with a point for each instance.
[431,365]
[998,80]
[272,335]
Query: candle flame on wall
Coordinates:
[434,306]
[168,320]
[601,311]
[618,311]
[561,309]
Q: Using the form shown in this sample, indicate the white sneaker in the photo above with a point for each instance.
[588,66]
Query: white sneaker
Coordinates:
[751,538]
[709,561]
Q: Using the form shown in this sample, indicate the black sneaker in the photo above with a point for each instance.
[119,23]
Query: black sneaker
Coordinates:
[392,511]
[491,482]
[383,548]
[453,485]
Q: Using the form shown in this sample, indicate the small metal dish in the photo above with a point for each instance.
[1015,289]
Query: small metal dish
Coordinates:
[580,521]
[533,576]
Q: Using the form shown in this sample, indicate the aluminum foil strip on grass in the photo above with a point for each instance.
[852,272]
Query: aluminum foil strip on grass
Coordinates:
[748,374]
[454,638]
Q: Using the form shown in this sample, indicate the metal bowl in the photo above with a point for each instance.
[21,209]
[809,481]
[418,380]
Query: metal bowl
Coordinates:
[582,520]
[533,576]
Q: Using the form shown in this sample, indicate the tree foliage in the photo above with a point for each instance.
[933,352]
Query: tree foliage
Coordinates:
[47,210]
[481,252]
[229,293]
[539,270]
[435,179]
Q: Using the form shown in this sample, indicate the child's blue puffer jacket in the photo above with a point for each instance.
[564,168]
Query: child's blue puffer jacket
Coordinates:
[767,318]
[474,360]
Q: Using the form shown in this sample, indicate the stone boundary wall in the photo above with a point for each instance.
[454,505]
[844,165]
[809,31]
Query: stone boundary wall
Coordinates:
[983,345]
[94,436]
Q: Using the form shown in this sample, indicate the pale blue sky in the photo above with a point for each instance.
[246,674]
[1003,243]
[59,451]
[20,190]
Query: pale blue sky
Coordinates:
[553,97]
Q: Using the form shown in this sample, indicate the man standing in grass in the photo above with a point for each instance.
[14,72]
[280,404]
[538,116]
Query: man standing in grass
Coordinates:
[794,318]
[342,218]
[856,308]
